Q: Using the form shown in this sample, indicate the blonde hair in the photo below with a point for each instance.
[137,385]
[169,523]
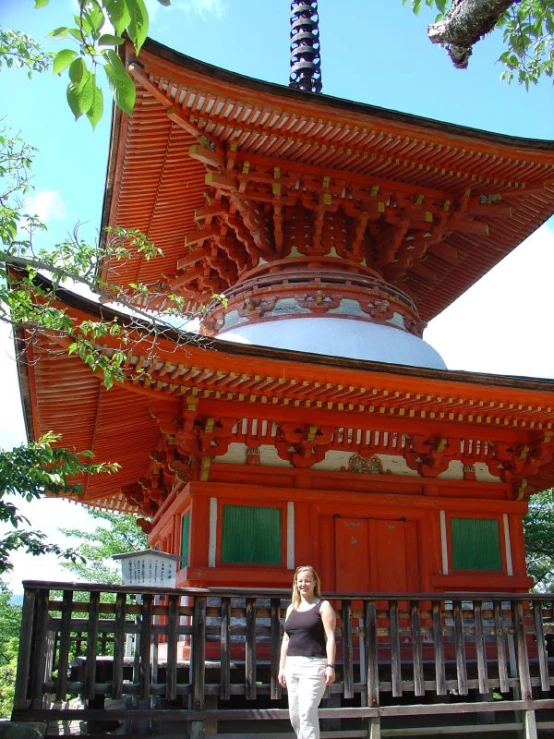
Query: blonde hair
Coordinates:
[296,593]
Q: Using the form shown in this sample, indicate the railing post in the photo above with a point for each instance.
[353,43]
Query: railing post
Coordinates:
[64,644]
[372,662]
[26,640]
[482,670]
[118,645]
[145,639]
[459,642]
[92,638]
[500,647]
[275,635]
[522,655]
[396,665]
[172,646]
[419,688]
[347,650]
[39,667]
[250,649]
[225,636]
[198,652]
[541,646]
[440,676]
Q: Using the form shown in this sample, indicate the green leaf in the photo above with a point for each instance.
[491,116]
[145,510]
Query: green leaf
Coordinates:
[123,88]
[63,59]
[60,32]
[96,110]
[41,4]
[78,72]
[138,27]
[73,101]
[95,16]
[108,39]
[118,14]
[86,93]
[117,68]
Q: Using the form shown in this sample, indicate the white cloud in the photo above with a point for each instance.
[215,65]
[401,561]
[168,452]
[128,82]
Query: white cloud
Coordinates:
[48,205]
[502,324]
[206,9]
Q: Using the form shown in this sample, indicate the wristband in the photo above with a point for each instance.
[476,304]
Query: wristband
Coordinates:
[331,666]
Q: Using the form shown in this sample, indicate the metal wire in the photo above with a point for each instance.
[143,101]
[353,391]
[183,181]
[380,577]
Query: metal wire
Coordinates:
[305,56]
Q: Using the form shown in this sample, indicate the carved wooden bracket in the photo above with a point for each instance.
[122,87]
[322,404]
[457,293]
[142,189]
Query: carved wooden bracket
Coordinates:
[430,456]
[303,445]
[516,463]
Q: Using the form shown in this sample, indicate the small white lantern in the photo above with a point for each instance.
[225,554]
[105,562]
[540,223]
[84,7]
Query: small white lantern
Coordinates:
[148,568]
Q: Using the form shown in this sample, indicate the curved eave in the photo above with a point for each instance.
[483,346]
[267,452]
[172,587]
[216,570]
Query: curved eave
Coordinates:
[61,393]
[165,62]
[155,186]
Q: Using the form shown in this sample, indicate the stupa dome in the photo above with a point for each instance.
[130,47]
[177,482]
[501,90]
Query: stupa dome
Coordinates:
[326,307]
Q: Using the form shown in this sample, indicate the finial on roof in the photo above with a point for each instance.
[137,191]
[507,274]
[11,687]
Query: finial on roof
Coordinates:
[305,57]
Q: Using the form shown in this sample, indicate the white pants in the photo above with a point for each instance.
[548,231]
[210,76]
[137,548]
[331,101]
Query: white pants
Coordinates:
[305,686]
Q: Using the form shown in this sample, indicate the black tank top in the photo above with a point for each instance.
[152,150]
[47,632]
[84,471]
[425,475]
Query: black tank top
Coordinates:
[306,633]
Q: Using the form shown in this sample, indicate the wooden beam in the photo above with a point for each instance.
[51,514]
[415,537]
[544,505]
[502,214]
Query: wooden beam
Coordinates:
[194,237]
[217,208]
[206,155]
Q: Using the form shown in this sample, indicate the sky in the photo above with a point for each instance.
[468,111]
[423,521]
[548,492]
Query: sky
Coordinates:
[373,51]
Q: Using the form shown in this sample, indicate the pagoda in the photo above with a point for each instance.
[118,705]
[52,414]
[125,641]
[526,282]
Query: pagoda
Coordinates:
[312,422]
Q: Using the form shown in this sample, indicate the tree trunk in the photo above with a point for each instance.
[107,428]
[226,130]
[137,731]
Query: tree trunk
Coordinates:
[464,24]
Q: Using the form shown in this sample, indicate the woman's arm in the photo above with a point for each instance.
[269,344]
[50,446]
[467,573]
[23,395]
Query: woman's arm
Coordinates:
[284,647]
[329,621]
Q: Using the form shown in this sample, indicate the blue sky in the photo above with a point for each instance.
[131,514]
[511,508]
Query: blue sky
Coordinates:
[374,52]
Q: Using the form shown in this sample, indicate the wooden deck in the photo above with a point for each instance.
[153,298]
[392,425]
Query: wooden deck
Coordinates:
[134,661]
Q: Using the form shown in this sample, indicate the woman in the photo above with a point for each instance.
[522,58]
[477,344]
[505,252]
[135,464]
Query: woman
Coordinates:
[307,664]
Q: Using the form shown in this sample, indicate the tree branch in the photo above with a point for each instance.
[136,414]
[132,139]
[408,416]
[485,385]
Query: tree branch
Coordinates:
[464,25]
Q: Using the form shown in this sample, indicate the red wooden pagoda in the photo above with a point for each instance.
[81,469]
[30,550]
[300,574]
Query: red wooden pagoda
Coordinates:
[315,425]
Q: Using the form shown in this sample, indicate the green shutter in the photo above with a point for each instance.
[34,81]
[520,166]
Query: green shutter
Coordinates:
[251,535]
[185,539]
[476,544]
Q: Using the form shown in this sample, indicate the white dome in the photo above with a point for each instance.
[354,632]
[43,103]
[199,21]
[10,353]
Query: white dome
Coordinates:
[339,337]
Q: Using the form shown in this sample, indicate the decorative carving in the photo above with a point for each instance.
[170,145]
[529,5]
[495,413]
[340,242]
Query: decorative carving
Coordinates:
[302,445]
[320,302]
[516,463]
[429,456]
[371,466]
[252,456]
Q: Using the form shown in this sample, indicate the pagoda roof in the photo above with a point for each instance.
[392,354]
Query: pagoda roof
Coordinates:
[232,381]
[214,167]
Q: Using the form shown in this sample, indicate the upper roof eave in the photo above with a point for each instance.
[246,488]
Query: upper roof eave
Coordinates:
[187,64]
[289,358]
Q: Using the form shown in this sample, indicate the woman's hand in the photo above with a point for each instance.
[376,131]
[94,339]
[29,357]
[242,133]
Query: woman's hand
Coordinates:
[329,675]
[282,679]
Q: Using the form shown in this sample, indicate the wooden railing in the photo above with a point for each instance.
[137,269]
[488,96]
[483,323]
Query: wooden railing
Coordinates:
[193,652]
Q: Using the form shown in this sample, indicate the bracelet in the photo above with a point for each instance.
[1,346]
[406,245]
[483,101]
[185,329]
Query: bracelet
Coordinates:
[331,666]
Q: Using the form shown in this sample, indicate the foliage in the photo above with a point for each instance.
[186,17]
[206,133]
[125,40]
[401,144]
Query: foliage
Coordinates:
[10,622]
[30,471]
[98,29]
[29,302]
[117,533]
[21,51]
[528,36]
[25,301]
[538,526]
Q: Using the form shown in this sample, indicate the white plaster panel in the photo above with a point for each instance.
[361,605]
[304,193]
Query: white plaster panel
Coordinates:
[455,471]
[336,460]
[270,458]
[482,473]
[236,454]
[339,337]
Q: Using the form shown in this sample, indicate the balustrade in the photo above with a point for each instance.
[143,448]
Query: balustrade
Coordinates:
[186,651]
